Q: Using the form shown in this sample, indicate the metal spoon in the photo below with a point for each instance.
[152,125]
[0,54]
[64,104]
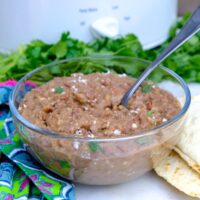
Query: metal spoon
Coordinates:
[188,30]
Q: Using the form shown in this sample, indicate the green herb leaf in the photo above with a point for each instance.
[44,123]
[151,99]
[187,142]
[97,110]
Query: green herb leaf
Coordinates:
[59,90]
[150,113]
[59,49]
[142,140]
[146,88]
[94,146]
[64,164]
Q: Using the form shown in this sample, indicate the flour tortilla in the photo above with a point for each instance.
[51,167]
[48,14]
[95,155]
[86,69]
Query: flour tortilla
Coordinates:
[176,171]
[188,146]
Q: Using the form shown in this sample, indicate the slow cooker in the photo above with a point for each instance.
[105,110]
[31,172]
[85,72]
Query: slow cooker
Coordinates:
[24,20]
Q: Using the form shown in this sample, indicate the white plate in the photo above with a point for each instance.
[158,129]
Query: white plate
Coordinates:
[147,187]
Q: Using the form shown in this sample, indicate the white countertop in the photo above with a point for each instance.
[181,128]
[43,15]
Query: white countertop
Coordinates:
[147,187]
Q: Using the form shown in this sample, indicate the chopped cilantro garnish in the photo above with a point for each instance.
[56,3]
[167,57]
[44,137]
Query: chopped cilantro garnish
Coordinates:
[146,88]
[142,140]
[64,164]
[59,90]
[94,146]
[150,113]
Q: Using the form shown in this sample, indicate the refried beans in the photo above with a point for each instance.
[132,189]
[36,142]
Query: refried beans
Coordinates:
[89,106]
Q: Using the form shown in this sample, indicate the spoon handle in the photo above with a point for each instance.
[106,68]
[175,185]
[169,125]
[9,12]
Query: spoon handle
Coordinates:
[188,30]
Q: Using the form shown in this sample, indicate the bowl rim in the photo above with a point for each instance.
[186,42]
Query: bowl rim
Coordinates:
[149,132]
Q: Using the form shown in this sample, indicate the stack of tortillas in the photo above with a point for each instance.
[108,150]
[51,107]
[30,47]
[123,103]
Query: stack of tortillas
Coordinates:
[182,167]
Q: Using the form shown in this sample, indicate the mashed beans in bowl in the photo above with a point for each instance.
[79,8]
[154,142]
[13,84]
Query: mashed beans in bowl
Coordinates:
[94,139]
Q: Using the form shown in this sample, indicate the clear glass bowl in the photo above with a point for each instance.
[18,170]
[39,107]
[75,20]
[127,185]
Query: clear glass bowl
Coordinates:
[99,161]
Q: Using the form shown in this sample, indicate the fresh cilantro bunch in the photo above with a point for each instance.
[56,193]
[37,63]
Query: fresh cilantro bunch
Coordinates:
[185,61]
[38,53]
